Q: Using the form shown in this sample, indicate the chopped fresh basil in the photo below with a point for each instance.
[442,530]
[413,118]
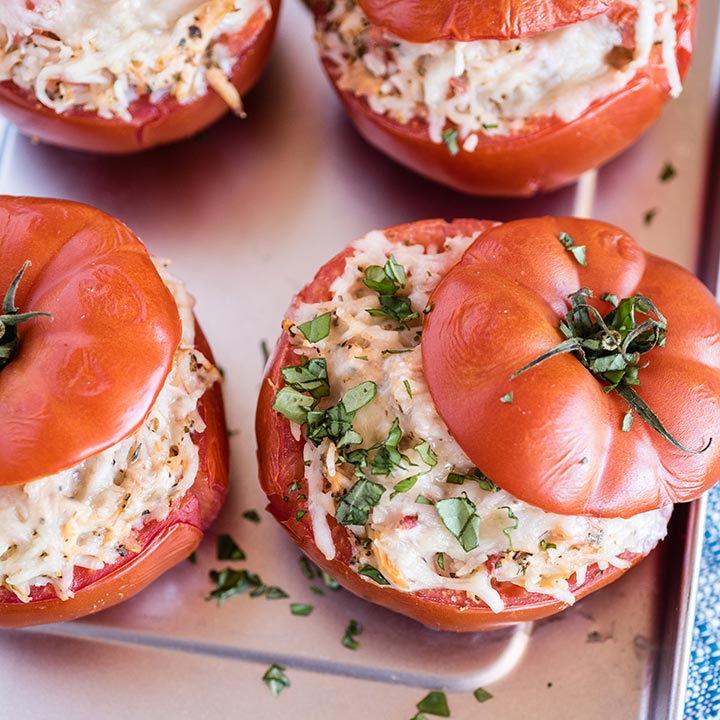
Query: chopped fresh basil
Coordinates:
[668,172]
[459,517]
[307,568]
[316,329]
[482,695]
[422,500]
[300,514]
[507,398]
[353,629]
[515,520]
[252,516]
[403,485]
[577,251]
[355,505]
[276,679]
[228,549]
[440,560]
[310,377]
[301,609]
[329,582]
[231,582]
[649,215]
[386,281]
[388,458]
[293,405]
[426,453]
[434,703]
[359,396]
[450,138]
[408,389]
[545,545]
[374,574]
[627,421]
[476,476]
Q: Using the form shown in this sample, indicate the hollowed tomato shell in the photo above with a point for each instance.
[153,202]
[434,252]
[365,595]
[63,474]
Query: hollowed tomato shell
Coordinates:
[559,444]
[152,124]
[164,544]
[548,152]
[280,461]
[420,21]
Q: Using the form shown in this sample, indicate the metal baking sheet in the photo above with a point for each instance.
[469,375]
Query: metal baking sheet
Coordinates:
[247,212]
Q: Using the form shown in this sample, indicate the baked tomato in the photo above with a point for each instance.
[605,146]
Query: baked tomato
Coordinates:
[571,87]
[380,351]
[170,78]
[115,455]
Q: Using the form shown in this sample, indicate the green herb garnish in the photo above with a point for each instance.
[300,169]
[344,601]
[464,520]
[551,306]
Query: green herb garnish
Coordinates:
[301,609]
[228,549]
[316,329]
[611,348]
[507,398]
[276,679]
[459,517]
[252,516]
[404,485]
[355,505]
[374,574]
[353,629]
[310,377]
[668,172]
[482,695]
[426,453]
[450,138]
[475,476]
[386,282]
[577,251]
[515,523]
[434,703]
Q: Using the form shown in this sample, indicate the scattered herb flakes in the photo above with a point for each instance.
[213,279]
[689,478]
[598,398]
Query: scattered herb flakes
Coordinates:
[459,517]
[627,421]
[301,609]
[252,516]
[475,476]
[515,523]
[403,485]
[231,582]
[374,574]
[577,251]
[426,453]
[355,505]
[408,389]
[668,172]
[315,589]
[300,514]
[307,568]
[545,545]
[450,138]
[192,558]
[293,404]
[329,582]
[649,215]
[482,695]
[228,549]
[507,398]
[422,500]
[386,281]
[440,560]
[276,679]
[353,629]
[309,377]
[388,458]
[316,329]
[428,308]
[275,593]
[434,703]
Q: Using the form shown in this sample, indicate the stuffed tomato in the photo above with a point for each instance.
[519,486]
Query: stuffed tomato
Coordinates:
[113,76]
[505,98]
[424,442]
[115,456]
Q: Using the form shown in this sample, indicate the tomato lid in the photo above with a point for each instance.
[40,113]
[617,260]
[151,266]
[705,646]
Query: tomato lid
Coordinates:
[87,377]
[465,20]
[553,436]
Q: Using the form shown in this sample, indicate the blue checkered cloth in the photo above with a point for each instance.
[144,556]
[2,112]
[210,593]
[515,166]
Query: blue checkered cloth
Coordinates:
[703,692]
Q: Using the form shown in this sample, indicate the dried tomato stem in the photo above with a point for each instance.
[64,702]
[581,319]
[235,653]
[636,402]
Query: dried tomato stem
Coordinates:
[11,317]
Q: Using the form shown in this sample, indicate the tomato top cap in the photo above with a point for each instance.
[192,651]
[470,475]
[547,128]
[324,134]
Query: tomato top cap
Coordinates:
[420,21]
[86,378]
[556,435]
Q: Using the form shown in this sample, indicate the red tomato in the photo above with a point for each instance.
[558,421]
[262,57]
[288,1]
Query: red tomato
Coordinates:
[562,432]
[468,20]
[548,152]
[152,123]
[87,378]
[280,460]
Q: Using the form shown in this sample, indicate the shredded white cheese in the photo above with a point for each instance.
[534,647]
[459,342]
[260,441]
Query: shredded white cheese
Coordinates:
[517,543]
[101,55]
[492,87]
[88,515]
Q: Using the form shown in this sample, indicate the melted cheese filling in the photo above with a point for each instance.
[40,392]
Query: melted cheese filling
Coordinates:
[88,515]
[101,55]
[491,87]
[404,540]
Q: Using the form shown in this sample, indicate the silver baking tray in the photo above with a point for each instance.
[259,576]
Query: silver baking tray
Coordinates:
[248,211]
